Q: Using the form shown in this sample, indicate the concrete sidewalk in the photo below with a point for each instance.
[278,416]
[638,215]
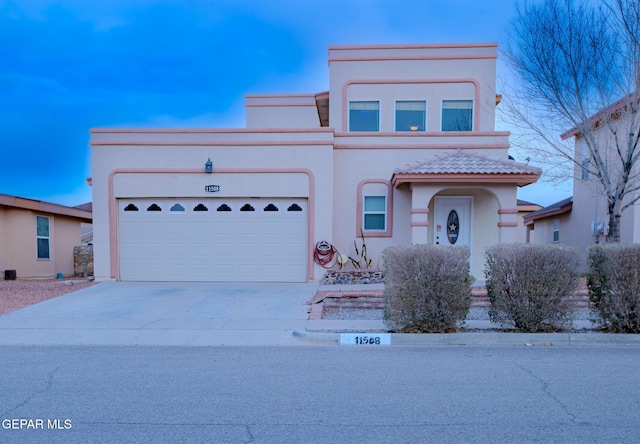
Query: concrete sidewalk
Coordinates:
[227,314]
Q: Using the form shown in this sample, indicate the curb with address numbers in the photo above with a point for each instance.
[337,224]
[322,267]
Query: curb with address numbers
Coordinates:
[365,339]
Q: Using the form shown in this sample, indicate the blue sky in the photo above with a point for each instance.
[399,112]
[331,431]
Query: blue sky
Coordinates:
[70,65]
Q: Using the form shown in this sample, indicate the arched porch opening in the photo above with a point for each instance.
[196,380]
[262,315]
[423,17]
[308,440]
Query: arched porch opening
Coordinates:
[475,210]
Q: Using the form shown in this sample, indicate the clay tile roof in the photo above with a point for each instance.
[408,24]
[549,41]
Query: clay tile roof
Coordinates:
[467,167]
[468,163]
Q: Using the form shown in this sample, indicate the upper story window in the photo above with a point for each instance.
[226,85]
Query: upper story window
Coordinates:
[364,116]
[585,169]
[457,115]
[411,115]
[42,237]
[585,162]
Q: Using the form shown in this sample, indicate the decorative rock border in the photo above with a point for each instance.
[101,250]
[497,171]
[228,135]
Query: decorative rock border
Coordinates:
[353,277]
[367,300]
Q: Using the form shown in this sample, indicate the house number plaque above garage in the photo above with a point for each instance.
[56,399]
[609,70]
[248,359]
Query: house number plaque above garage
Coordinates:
[212,188]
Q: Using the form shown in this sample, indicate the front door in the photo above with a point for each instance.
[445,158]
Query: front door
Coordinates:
[452,221]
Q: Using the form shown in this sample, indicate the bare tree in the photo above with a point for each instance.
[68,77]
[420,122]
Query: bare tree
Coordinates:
[577,74]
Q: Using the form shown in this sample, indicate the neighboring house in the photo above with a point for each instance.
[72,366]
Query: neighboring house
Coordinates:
[86,235]
[402,148]
[551,224]
[86,229]
[582,219]
[37,238]
[589,213]
[524,235]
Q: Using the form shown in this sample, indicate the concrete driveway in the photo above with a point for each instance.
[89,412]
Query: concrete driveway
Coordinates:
[180,313]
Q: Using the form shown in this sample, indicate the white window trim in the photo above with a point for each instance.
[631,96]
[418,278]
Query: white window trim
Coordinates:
[395,115]
[556,231]
[48,238]
[473,113]
[349,116]
[384,212]
[359,225]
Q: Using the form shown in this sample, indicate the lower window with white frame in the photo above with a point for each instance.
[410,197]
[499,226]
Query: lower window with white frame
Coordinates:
[556,230]
[43,237]
[374,213]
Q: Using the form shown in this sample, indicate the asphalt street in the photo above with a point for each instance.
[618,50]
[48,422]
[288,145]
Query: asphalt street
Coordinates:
[335,394]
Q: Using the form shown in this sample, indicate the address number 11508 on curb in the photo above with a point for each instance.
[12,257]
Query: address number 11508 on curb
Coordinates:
[365,339]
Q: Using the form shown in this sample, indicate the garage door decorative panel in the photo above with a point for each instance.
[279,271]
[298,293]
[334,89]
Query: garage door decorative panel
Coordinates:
[258,239]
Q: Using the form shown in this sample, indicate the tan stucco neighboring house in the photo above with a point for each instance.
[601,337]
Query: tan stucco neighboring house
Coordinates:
[37,238]
[402,148]
[524,235]
[86,229]
[551,224]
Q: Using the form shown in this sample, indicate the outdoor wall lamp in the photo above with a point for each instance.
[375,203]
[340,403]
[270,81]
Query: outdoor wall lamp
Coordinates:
[208,166]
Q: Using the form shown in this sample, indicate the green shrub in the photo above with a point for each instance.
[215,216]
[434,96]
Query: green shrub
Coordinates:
[529,285]
[614,286]
[427,288]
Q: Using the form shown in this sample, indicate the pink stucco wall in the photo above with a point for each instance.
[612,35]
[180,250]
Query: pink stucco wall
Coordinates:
[284,137]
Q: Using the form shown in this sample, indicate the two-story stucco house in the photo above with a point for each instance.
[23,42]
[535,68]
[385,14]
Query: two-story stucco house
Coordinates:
[582,219]
[402,147]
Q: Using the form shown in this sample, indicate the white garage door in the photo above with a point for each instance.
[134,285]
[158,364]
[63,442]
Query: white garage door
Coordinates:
[214,239]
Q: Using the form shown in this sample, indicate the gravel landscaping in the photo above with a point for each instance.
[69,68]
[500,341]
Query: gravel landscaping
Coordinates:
[477,314]
[18,294]
[583,317]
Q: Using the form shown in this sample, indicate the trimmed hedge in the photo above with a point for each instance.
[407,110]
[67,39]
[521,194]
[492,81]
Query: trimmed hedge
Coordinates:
[528,285]
[614,286]
[427,288]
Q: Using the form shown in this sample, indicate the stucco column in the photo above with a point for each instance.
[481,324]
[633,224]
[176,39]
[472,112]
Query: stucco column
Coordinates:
[420,198]
[508,224]
[507,215]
